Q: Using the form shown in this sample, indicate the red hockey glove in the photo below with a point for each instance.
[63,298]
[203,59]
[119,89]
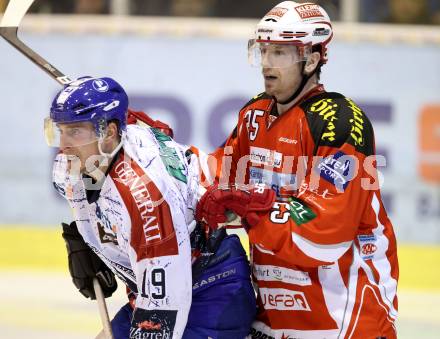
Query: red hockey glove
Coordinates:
[247,204]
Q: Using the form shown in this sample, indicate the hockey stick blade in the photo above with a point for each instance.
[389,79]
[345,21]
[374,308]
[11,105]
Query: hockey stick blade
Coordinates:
[8,30]
[15,11]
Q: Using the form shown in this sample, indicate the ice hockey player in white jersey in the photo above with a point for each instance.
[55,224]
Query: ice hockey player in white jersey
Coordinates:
[133,192]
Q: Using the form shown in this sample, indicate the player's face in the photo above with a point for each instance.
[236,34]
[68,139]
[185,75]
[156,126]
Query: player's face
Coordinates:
[79,140]
[282,82]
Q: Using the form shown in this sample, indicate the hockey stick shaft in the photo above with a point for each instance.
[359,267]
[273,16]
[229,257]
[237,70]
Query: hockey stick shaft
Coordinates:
[102,306]
[10,35]
[9,31]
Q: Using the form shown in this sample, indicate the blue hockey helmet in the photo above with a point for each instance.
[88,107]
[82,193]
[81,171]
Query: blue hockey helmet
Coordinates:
[87,99]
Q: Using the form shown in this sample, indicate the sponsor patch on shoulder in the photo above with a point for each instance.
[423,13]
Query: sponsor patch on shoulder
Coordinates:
[338,169]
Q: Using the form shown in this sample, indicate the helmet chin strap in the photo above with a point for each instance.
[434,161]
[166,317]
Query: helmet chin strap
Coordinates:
[113,153]
[97,173]
[301,86]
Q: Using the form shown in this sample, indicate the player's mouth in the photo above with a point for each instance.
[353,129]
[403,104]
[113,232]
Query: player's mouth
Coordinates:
[270,77]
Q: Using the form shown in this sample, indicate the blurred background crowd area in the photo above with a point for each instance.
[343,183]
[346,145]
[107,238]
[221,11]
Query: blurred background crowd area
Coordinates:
[424,12]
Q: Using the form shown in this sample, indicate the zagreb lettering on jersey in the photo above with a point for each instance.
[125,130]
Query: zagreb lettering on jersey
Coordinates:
[136,333]
[153,324]
[143,200]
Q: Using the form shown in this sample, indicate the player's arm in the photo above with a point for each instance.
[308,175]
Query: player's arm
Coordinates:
[84,264]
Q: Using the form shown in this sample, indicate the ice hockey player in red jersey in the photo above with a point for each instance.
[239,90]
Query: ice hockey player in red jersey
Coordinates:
[324,255]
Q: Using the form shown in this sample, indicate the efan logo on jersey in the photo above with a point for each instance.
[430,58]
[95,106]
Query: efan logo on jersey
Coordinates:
[153,324]
[100,85]
[283,300]
[300,212]
[367,245]
[337,169]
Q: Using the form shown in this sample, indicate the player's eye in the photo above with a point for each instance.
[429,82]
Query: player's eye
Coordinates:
[73,132]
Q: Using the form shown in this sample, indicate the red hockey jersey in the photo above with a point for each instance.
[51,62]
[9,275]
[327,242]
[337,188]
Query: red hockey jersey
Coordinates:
[325,258]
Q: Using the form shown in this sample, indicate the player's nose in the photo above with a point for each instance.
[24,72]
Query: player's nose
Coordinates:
[64,144]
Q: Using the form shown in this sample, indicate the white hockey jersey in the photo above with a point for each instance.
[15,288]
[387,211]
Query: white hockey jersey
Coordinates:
[138,225]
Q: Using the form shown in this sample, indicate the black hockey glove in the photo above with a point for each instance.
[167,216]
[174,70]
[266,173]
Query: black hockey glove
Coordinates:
[207,246]
[84,265]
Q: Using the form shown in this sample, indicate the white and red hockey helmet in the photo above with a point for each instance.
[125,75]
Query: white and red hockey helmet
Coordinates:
[303,25]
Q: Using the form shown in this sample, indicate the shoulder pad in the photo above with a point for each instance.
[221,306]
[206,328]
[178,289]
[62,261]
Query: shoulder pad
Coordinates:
[258,97]
[335,119]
